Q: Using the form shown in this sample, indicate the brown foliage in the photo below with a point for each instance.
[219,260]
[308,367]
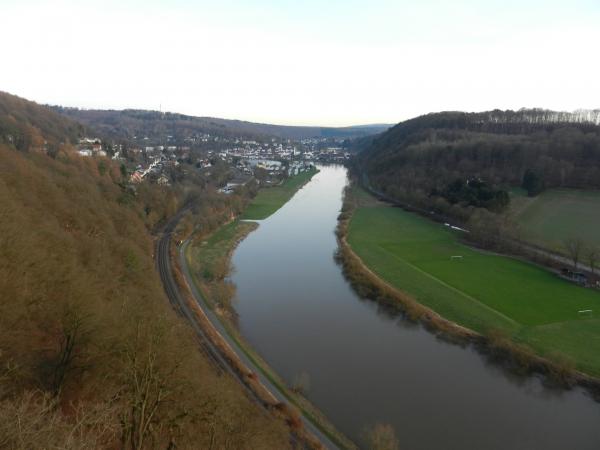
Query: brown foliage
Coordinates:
[28,126]
[86,326]
[32,421]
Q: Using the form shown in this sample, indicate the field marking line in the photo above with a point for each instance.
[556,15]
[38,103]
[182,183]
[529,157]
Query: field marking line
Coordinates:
[458,291]
[574,321]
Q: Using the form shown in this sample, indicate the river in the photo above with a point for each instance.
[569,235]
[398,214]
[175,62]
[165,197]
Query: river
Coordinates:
[365,366]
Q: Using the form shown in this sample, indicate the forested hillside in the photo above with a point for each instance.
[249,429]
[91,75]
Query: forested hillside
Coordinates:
[91,353]
[455,162]
[128,123]
[26,125]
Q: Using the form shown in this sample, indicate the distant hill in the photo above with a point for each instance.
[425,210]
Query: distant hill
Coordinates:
[127,123]
[434,159]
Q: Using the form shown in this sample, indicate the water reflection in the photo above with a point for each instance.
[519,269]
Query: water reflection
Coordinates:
[367,365]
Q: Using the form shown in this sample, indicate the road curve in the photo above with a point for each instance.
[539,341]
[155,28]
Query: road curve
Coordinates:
[163,265]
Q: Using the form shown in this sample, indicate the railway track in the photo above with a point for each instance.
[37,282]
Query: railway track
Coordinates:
[163,263]
[221,364]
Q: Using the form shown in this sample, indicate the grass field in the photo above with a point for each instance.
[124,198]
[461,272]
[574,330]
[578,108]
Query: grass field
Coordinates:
[480,291]
[270,199]
[556,215]
[209,262]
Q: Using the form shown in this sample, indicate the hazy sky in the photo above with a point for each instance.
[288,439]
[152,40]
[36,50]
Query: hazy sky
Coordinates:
[324,62]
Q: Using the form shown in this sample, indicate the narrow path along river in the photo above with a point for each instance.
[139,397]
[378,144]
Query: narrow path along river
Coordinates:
[365,367]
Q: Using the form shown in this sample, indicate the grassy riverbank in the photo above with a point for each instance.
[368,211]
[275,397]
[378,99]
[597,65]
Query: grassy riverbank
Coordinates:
[209,261]
[483,292]
[270,199]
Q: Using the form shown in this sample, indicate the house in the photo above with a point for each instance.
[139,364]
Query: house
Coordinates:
[90,141]
[226,190]
[162,180]
[85,152]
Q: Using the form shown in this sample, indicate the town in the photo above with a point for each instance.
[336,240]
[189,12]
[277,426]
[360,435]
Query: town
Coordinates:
[267,160]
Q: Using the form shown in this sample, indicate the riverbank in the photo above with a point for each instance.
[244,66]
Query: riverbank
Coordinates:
[226,359]
[366,366]
[419,267]
[209,261]
[270,199]
[215,252]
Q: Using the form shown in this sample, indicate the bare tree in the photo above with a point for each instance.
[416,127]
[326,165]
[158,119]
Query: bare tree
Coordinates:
[593,256]
[301,384]
[67,358]
[574,248]
[381,437]
[33,420]
[149,389]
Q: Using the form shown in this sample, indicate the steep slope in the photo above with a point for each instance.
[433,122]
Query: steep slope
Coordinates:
[91,354]
[27,125]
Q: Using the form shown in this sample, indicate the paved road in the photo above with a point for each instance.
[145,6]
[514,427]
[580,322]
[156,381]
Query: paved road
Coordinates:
[567,262]
[163,264]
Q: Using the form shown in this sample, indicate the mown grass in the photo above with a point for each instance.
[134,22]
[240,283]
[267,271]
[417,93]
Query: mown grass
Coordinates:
[214,250]
[209,260]
[270,199]
[557,215]
[481,291]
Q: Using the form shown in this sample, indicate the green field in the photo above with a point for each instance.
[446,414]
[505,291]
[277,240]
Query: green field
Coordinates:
[270,199]
[557,215]
[211,253]
[480,291]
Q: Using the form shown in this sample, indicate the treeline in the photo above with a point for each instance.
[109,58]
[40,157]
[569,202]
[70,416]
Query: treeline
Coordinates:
[419,161]
[210,210]
[125,124]
[91,353]
[29,126]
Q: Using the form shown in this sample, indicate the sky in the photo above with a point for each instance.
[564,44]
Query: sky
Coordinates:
[329,63]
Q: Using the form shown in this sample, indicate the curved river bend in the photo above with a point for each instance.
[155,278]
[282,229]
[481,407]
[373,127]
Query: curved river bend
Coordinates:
[297,310]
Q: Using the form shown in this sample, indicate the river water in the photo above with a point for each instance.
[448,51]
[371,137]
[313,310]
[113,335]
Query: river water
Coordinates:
[365,367]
